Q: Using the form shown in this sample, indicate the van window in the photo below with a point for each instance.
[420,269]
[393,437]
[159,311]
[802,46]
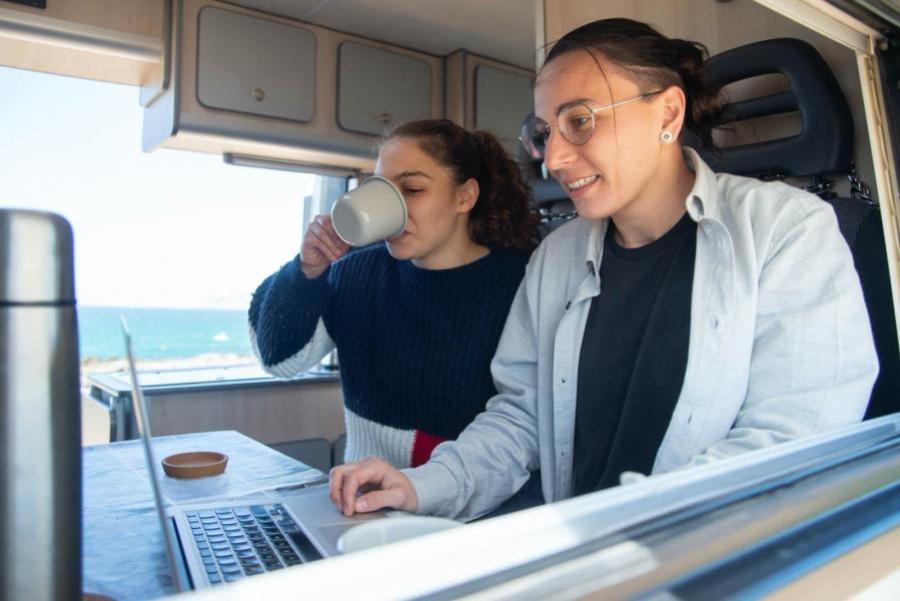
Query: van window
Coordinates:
[175,240]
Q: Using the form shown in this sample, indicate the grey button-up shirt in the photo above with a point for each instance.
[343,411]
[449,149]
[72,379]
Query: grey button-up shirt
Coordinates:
[780,347]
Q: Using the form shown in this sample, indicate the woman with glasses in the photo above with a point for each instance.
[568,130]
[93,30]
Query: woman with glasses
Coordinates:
[684,317]
[417,319]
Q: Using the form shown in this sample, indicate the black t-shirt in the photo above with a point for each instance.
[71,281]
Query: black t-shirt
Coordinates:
[633,356]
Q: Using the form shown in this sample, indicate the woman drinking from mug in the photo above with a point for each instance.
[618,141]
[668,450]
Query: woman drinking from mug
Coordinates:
[416,320]
[683,317]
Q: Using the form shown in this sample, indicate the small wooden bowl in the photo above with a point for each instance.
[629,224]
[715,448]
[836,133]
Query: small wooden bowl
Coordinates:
[197,464]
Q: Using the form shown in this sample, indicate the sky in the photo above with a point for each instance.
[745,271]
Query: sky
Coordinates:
[169,228]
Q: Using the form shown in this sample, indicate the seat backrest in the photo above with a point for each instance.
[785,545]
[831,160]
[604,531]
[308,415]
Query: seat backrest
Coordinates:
[549,199]
[825,142]
[823,147]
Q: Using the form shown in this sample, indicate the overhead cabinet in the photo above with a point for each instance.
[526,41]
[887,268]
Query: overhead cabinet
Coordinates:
[267,89]
[263,87]
[486,94]
[502,100]
[379,89]
[252,65]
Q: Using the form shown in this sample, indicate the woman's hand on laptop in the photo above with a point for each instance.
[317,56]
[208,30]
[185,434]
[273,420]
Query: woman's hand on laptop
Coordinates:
[369,485]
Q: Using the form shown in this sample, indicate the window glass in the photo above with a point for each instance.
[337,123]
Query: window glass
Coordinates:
[175,240]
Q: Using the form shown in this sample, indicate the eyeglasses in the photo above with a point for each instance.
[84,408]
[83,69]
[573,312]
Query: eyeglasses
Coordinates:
[576,124]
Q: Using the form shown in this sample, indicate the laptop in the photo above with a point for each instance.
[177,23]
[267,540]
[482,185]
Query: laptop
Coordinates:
[208,544]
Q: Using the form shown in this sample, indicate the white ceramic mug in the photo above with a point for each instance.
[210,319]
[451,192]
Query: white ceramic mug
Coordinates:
[373,211]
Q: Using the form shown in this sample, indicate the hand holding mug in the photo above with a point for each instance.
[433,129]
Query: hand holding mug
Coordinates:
[321,247]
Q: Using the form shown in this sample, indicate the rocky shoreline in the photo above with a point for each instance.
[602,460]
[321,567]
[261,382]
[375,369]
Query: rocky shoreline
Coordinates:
[92,365]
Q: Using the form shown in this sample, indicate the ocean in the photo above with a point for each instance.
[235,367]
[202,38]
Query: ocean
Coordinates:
[162,333]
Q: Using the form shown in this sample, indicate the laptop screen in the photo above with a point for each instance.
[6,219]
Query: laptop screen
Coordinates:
[143,426]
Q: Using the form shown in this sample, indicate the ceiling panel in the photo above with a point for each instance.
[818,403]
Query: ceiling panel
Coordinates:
[296,9]
[500,29]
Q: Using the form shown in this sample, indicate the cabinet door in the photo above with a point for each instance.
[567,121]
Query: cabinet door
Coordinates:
[502,100]
[254,65]
[378,89]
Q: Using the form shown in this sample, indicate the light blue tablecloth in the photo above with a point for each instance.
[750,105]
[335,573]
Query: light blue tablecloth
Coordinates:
[123,550]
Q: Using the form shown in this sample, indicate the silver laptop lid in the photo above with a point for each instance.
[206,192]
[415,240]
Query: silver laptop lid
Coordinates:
[143,426]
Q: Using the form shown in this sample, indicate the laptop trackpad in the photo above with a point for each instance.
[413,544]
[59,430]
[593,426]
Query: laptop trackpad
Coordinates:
[320,520]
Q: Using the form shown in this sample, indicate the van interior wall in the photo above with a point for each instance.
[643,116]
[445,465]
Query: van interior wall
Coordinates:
[136,19]
[291,412]
[142,17]
[722,26]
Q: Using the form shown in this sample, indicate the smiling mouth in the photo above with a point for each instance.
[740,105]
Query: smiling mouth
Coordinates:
[581,182]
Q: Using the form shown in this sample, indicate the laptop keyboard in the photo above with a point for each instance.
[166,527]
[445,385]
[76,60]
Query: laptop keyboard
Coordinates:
[236,542]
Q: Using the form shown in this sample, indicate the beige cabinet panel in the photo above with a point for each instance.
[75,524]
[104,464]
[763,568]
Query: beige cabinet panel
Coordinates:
[502,100]
[253,65]
[379,89]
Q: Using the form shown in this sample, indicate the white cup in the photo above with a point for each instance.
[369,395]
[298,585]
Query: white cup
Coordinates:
[390,530]
[373,211]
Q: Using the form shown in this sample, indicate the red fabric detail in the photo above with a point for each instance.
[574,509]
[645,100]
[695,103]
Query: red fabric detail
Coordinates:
[423,445]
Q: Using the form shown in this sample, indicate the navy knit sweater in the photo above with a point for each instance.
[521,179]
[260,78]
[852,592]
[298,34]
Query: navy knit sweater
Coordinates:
[415,344]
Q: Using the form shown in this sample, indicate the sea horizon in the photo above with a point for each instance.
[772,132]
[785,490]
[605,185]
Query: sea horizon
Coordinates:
[162,333]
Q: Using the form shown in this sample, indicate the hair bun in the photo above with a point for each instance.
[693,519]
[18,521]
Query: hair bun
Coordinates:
[706,104]
[691,57]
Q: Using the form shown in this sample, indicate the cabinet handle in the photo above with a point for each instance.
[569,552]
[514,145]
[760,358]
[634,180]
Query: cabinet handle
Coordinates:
[258,94]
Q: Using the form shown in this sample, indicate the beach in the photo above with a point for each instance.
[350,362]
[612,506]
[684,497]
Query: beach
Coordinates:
[92,365]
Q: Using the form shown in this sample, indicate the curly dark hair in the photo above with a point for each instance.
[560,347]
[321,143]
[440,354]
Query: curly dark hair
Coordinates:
[502,216]
[654,62]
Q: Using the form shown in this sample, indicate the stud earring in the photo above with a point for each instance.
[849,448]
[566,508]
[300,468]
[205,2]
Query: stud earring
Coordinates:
[666,137]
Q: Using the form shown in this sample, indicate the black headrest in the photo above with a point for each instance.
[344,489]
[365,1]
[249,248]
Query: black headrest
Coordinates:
[825,142]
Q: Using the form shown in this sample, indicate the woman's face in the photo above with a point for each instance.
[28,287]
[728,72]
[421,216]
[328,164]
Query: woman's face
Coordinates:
[609,174]
[437,208]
